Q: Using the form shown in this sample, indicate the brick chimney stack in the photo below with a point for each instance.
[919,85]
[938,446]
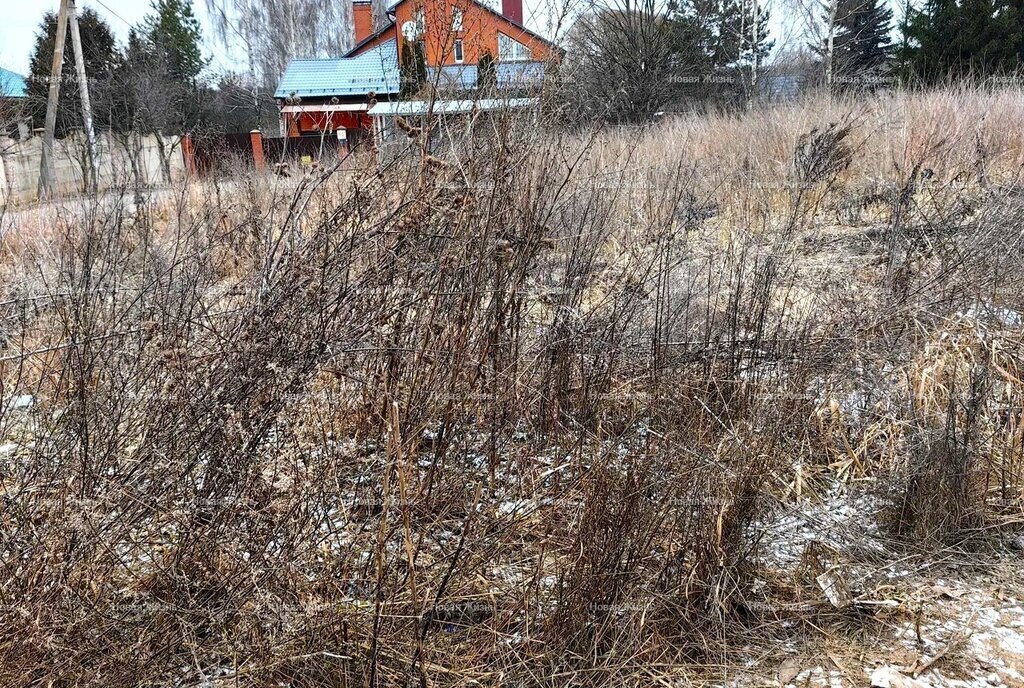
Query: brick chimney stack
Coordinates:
[362,19]
[513,11]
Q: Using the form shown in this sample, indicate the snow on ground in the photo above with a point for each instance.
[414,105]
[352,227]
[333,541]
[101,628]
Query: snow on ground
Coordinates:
[972,629]
[961,620]
[842,518]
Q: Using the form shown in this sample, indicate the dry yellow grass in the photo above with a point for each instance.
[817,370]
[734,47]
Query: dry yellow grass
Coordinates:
[514,420]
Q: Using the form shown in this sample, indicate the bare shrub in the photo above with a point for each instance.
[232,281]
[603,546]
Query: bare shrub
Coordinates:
[944,488]
[821,154]
[511,415]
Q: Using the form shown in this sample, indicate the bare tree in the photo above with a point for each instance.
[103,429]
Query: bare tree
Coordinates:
[619,61]
[816,22]
[379,10]
[557,16]
[831,10]
[274,32]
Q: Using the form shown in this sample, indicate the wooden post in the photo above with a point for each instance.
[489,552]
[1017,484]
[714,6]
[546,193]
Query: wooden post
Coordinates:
[256,140]
[83,90]
[46,180]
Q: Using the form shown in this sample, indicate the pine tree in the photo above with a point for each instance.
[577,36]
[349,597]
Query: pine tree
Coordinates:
[174,34]
[862,47]
[720,33]
[100,53]
[716,41]
[950,39]
[737,46]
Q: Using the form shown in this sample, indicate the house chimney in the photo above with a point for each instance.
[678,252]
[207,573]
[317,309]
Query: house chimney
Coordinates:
[362,19]
[513,11]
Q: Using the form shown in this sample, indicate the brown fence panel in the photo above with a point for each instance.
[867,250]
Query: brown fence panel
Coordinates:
[220,153]
[299,149]
[228,153]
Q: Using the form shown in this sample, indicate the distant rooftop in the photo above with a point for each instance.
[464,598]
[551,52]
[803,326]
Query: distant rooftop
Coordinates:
[375,70]
[12,85]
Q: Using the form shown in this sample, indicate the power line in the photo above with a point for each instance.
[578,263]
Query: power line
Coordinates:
[213,54]
[107,8]
[227,20]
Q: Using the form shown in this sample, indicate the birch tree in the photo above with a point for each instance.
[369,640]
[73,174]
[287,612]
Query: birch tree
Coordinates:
[817,19]
[275,32]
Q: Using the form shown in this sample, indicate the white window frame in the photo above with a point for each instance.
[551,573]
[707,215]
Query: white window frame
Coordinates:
[458,51]
[457,17]
[518,51]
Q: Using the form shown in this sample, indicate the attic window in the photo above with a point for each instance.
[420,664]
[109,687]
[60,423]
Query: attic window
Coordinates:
[511,50]
[456,19]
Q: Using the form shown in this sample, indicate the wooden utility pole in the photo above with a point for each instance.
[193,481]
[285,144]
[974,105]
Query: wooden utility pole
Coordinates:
[46,177]
[83,91]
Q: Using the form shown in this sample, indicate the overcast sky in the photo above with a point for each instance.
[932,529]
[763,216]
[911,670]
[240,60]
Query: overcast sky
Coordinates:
[20,19]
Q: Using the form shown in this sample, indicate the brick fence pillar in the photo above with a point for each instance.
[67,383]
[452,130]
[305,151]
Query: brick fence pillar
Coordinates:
[256,138]
[188,153]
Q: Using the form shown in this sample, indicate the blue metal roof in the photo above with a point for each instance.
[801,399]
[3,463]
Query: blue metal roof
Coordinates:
[527,74]
[458,77]
[375,70]
[510,75]
[12,85]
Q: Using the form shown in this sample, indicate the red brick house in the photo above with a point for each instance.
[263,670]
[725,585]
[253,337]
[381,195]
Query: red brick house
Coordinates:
[450,38]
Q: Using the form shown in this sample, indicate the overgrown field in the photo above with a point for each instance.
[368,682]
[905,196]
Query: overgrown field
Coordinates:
[534,413]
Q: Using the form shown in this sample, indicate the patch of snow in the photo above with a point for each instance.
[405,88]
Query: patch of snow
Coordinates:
[983,312]
[843,517]
[21,402]
[516,506]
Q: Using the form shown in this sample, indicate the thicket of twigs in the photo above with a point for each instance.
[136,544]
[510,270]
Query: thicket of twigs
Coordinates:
[507,417]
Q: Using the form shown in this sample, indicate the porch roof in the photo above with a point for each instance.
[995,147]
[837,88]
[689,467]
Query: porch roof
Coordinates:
[326,107]
[415,108]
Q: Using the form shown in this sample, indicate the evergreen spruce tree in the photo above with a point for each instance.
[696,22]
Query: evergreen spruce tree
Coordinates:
[487,72]
[714,47]
[951,39]
[100,52]
[862,47]
[413,68]
[174,34]
[158,86]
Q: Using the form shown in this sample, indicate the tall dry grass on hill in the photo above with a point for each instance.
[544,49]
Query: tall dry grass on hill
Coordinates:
[896,128]
[507,418]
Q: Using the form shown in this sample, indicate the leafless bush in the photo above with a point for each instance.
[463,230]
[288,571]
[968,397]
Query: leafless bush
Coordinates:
[511,417]
[944,489]
[823,153]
